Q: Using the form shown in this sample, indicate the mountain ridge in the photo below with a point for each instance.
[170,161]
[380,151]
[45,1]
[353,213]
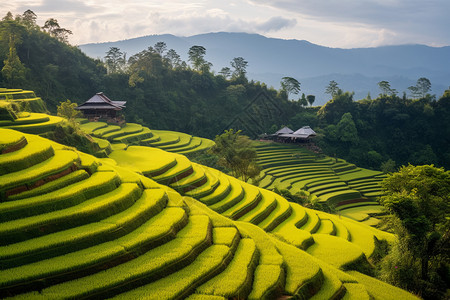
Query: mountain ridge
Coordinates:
[270,59]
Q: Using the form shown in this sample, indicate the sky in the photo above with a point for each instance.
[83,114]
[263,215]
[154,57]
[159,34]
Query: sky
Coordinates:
[331,23]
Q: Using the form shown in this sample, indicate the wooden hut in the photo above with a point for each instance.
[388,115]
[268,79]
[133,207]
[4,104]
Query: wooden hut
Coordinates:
[101,107]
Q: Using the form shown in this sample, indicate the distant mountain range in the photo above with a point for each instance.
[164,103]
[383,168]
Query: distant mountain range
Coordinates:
[270,59]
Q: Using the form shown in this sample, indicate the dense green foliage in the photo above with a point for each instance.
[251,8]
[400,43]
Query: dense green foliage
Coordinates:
[164,92]
[419,198]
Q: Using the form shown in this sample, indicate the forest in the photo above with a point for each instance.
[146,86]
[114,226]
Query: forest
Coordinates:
[164,92]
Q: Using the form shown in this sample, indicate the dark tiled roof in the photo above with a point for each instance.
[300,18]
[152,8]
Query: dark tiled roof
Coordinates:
[101,101]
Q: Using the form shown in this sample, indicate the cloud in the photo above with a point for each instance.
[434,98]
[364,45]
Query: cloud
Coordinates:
[276,24]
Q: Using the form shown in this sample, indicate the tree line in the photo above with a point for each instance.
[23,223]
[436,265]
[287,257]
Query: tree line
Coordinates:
[164,92]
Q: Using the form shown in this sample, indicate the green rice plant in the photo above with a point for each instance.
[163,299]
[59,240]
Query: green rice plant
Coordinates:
[334,198]
[11,140]
[134,137]
[129,128]
[381,290]
[182,168]
[62,160]
[198,208]
[166,138]
[203,145]
[151,265]
[103,144]
[371,221]
[267,204]
[340,230]
[148,161]
[303,274]
[222,190]
[326,227]
[184,140]
[236,279]
[355,291]
[281,212]
[195,179]
[25,157]
[251,199]
[335,251]
[99,183]
[269,254]
[100,131]
[236,194]
[267,283]
[210,186]
[44,247]
[38,128]
[289,229]
[92,210]
[69,179]
[182,283]
[362,174]
[205,297]
[361,236]
[225,236]
[331,288]
[24,119]
[313,221]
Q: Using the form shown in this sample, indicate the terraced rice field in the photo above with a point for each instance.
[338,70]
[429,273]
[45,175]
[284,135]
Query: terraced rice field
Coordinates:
[75,226]
[135,134]
[339,184]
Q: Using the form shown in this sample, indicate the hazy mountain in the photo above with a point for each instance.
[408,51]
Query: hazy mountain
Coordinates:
[270,59]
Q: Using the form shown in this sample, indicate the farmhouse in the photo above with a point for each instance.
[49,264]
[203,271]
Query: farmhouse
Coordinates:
[101,107]
[287,135]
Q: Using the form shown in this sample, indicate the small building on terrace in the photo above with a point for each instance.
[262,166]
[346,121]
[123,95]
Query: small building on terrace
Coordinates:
[287,135]
[100,107]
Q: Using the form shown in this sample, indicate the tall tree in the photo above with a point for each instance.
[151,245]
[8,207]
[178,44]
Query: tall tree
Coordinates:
[52,27]
[421,89]
[237,154]
[160,48]
[239,65]
[13,70]
[332,89]
[29,19]
[386,89]
[115,60]
[173,58]
[197,57]
[225,72]
[290,85]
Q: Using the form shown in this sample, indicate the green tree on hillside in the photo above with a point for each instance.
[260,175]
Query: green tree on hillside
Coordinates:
[237,154]
[421,89]
[419,196]
[332,88]
[386,89]
[239,64]
[52,27]
[290,85]
[115,60]
[67,110]
[197,58]
[311,99]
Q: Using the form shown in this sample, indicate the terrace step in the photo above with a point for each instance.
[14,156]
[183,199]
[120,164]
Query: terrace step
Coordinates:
[220,192]
[180,284]
[281,212]
[209,187]
[236,279]
[265,206]
[11,140]
[40,127]
[289,229]
[251,199]
[98,184]
[36,175]
[26,157]
[69,179]
[135,137]
[150,204]
[236,194]
[92,210]
[142,267]
[269,274]
[304,277]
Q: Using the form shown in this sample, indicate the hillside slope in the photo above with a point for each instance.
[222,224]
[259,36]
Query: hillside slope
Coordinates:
[74,226]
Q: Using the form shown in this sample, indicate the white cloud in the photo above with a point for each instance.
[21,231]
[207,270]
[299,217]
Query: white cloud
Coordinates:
[335,23]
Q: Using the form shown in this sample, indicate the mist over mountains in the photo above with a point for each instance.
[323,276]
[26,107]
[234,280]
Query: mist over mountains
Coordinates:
[270,59]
